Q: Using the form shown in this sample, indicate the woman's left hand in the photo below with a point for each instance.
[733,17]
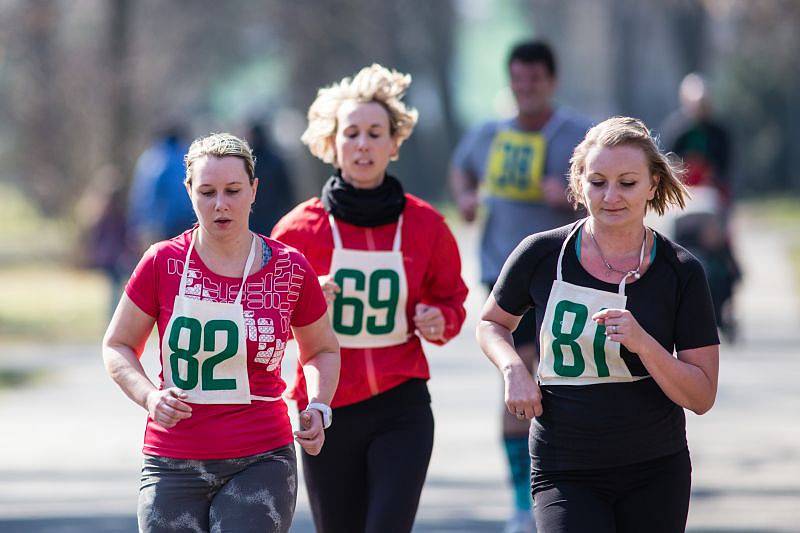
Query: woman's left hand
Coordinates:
[429,321]
[312,435]
[621,327]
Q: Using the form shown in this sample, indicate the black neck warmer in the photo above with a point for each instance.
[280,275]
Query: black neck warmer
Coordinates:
[364,207]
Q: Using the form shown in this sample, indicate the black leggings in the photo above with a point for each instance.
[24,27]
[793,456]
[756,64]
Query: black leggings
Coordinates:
[369,475]
[652,496]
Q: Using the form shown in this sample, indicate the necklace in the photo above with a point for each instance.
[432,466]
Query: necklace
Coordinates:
[635,273]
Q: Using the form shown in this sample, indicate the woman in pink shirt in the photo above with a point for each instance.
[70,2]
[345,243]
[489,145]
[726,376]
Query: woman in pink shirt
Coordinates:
[218,442]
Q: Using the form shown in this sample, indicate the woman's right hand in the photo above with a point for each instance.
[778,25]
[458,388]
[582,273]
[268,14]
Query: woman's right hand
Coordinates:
[522,394]
[166,408]
[329,288]
[312,435]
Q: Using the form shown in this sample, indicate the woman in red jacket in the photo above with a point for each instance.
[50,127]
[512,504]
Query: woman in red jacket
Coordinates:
[391,272]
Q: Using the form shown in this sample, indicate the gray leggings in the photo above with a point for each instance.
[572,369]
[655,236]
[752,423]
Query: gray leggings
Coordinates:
[256,493]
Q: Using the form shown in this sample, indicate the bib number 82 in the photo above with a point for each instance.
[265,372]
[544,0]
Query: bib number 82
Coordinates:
[569,338]
[208,334]
[374,299]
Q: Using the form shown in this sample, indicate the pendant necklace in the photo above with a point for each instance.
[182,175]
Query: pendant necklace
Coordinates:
[635,273]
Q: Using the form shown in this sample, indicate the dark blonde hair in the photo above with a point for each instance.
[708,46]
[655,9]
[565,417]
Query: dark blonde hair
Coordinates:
[372,84]
[627,131]
[220,145]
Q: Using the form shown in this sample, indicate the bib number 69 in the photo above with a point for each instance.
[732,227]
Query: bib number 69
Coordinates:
[373,299]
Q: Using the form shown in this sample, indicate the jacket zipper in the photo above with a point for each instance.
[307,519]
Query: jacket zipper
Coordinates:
[372,378]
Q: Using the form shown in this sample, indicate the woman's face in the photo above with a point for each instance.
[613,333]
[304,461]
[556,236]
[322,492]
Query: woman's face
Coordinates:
[364,145]
[617,185]
[221,194]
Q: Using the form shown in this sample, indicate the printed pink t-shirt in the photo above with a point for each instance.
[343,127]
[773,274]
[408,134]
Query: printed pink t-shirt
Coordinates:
[284,293]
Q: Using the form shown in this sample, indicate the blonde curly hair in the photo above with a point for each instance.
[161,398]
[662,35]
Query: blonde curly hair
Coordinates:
[617,131]
[220,145]
[372,84]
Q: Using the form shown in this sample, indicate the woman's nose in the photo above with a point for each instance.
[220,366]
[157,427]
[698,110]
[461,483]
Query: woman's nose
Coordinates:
[219,203]
[612,193]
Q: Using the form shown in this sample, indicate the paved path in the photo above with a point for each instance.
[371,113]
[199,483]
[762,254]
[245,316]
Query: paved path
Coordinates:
[69,452]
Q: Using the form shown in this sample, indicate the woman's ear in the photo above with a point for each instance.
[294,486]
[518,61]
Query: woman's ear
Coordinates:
[654,181]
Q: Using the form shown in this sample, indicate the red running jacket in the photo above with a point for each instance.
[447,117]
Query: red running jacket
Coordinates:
[433,269]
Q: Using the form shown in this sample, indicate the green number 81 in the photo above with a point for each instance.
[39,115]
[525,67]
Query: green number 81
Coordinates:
[568,338]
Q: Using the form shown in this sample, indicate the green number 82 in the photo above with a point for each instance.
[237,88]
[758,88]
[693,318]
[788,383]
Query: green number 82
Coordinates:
[209,339]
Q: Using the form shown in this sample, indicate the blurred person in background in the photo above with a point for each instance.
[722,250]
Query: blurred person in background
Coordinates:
[703,227]
[218,443]
[158,206]
[518,167]
[699,139]
[391,272]
[277,197]
[102,217]
[613,302]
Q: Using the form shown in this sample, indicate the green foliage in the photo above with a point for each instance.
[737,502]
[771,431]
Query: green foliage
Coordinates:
[27,234]
[483,40]
[781,214]
[49,302]
[42,296]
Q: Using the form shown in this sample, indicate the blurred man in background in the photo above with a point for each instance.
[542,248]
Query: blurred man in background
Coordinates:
[518,167]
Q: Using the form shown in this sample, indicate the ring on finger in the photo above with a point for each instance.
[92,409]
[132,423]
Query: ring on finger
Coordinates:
[520,415]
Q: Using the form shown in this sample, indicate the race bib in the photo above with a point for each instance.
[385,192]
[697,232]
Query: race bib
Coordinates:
[516,166]
[574,348]
[368,303]
[198,354]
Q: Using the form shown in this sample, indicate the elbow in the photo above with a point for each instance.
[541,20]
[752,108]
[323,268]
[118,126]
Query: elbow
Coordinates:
[480,330]
[704,406]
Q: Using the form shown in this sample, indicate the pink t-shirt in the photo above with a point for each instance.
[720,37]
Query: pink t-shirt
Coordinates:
[284,293]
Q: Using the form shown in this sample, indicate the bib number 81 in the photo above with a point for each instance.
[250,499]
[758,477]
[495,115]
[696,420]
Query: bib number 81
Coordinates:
[209,339]
[569,338]
[357,304]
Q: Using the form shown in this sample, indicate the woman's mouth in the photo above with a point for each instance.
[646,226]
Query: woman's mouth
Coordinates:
[222,222]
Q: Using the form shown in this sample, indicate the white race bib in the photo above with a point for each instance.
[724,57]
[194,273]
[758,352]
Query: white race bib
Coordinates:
[370,310]
[574,350]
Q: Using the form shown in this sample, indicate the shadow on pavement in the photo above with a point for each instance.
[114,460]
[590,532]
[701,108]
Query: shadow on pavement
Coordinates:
[100,524]
[127,524]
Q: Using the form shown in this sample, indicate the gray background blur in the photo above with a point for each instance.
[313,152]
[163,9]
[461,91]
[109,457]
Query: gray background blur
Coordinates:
[84,83]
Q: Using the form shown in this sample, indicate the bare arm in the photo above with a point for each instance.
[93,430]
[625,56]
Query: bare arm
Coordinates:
[123,344]
[690,380]
[319,355]
[522,394]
